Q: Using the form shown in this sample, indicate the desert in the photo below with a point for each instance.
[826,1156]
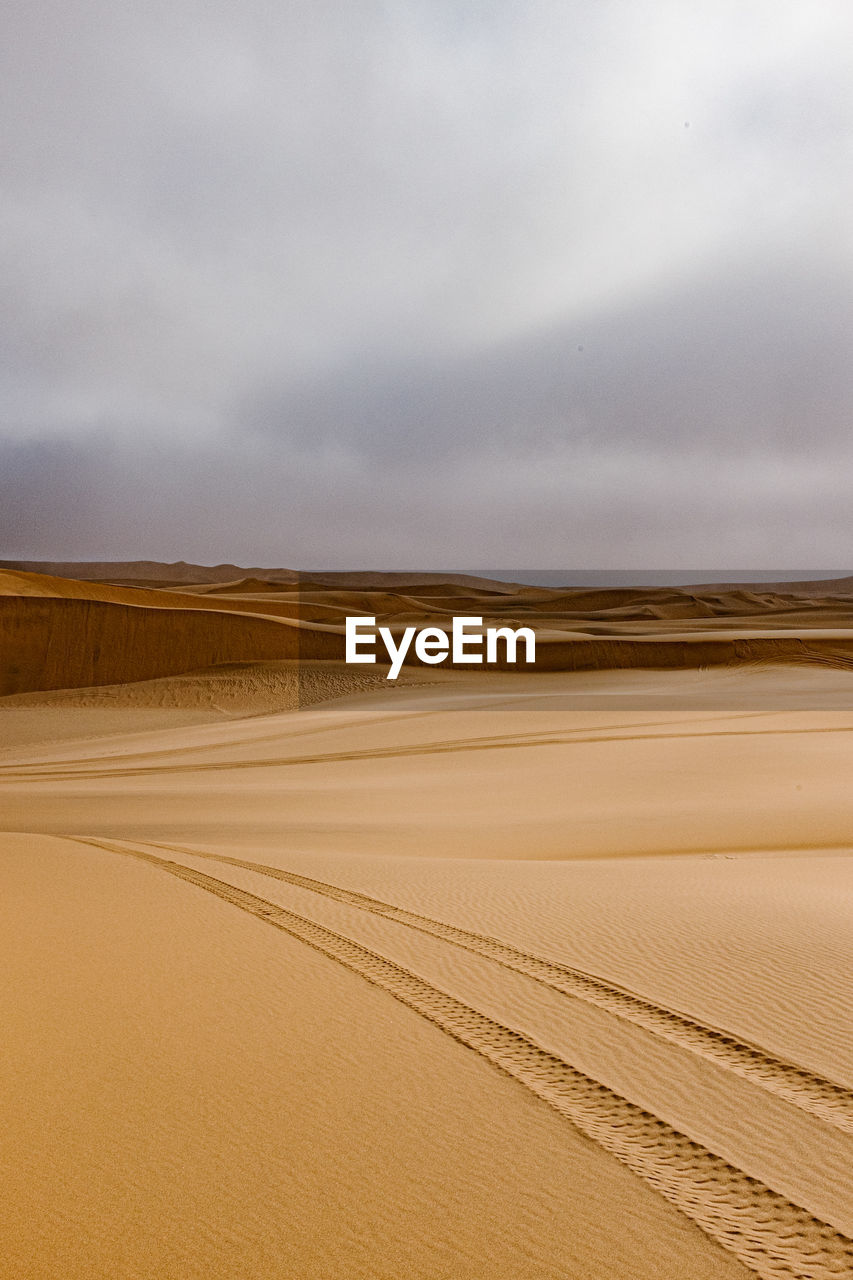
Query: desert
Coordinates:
[522,973]
[426,641]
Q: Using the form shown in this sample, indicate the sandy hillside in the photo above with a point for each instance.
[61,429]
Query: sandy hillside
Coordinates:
[58,632]
[526,976]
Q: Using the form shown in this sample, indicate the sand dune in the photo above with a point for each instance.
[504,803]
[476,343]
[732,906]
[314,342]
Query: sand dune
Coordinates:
[807,1090]
[685,1014]
[52,644]
[183,573]
[227,691]
[57,632]
[806,587]
[766,1231]
[144,571]
[241,587]
[529,975]
[224,1129]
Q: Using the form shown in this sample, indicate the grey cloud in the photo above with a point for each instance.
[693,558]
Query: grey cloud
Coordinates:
[755,356]
[277,276]
[560,506]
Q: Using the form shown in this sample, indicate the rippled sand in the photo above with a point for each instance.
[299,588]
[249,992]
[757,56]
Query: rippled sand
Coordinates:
[451,982]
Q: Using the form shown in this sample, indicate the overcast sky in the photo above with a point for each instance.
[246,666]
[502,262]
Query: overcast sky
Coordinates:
[426,283]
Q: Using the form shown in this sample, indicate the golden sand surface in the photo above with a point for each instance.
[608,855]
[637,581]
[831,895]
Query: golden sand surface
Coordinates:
[518,976]
[195,1094]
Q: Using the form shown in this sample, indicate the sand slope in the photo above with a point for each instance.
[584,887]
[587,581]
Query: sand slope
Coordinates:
[56,632]
[222,1128]
[461,1028]
[501,974]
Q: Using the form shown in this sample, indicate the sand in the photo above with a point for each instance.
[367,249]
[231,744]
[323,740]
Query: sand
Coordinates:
[59,633]
[519,976]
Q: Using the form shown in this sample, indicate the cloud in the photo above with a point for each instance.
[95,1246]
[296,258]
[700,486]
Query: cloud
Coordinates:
[400,278]
[564,506]
[757,357]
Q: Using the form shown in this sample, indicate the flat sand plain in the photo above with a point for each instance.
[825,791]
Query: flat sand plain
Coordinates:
[526,976]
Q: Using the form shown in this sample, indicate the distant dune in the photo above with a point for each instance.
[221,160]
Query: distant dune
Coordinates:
[60,632]
[145,570]
[807,587]
[181,573]
[77,632]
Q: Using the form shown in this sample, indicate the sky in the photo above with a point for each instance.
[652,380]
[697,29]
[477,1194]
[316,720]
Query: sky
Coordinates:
[424,283]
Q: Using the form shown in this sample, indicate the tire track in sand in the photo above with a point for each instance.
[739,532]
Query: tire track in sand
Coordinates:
[768,1233]
[441,747]
[804,1089]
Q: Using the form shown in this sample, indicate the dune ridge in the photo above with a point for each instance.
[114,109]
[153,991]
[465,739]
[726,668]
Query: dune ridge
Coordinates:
[178,571]
[59,633]
[59,643]
[181,572]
